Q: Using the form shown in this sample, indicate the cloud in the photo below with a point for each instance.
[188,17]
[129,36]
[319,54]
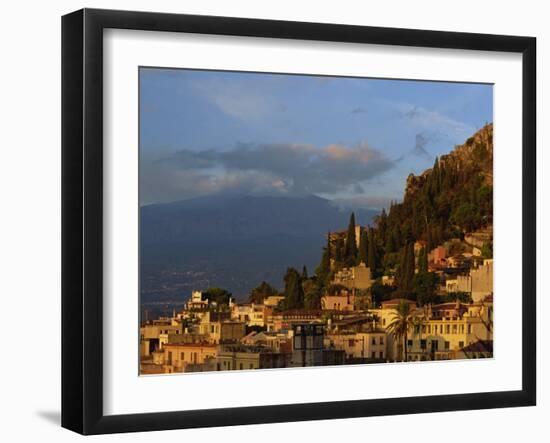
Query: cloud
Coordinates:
[285,168]
[421,141]
[364,201]
[240,99]
[428,120]
[359,110]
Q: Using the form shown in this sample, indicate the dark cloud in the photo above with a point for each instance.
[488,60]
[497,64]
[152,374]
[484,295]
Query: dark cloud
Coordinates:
[359,110]
[419,149]
[412,112]
[292,169]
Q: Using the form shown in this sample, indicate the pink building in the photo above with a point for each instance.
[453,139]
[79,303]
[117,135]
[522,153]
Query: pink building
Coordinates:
[344,302]
[438,256]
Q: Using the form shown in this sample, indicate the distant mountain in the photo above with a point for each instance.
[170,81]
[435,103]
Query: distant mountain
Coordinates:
[233,241]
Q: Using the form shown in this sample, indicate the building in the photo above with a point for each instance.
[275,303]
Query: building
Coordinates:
[442,331]
[251,314]
[284,321]
[151,333]
[307,344]
[273,300]
[482,280]
[198,301]
[356,277]
[479,284]
[221,331]
[276,341]
[239,357]
[478,349]
[438,256]
[359,347]
[180,357]
[345,301]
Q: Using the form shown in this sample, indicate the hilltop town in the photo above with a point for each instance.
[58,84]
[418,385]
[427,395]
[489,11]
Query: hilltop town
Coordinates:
[415,286]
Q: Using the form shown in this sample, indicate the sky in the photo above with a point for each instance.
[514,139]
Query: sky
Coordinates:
[351,140]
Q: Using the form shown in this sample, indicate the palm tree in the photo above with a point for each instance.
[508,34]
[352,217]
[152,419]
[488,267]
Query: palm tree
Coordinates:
[403,319]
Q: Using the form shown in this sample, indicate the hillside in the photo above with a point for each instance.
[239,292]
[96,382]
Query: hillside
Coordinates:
[455,196]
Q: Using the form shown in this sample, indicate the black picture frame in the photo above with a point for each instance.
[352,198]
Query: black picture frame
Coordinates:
[82,218]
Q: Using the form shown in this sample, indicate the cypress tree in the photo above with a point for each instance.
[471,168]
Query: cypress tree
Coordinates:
[423,261]
[323,270]
[363,247]
[339,251]
[372,253]
[294,293]
[350,251]
[406,268]
[383,225]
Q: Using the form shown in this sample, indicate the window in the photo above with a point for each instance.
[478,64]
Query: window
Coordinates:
[460,344]
[380,355]
[373,354]
[454,329]
[381,340]
[448,329]
[373,341]
[409,343]
[447,345]
[240,365]
[469,329]
[351,343]
[182,356]
[422,344]
[251,366]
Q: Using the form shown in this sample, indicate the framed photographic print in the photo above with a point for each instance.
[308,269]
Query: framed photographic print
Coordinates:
[268,221]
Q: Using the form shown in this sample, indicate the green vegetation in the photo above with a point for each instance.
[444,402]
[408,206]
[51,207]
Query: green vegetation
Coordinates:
[487,250]
[261,292]
[294,293]
[455,196]
[218,295]
[402,321]
[350,246]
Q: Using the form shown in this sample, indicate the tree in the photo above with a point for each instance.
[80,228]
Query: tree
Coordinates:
[425,286]
[382,224]
[487,250]
[380,292]
[350,247]
[406,269]
[261,292]
[339,252]
[399,325]
[312,294]
[372,263]
[219,296]
[294,293]
[323,270]
[423,261]
[304,273]
[363,247]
